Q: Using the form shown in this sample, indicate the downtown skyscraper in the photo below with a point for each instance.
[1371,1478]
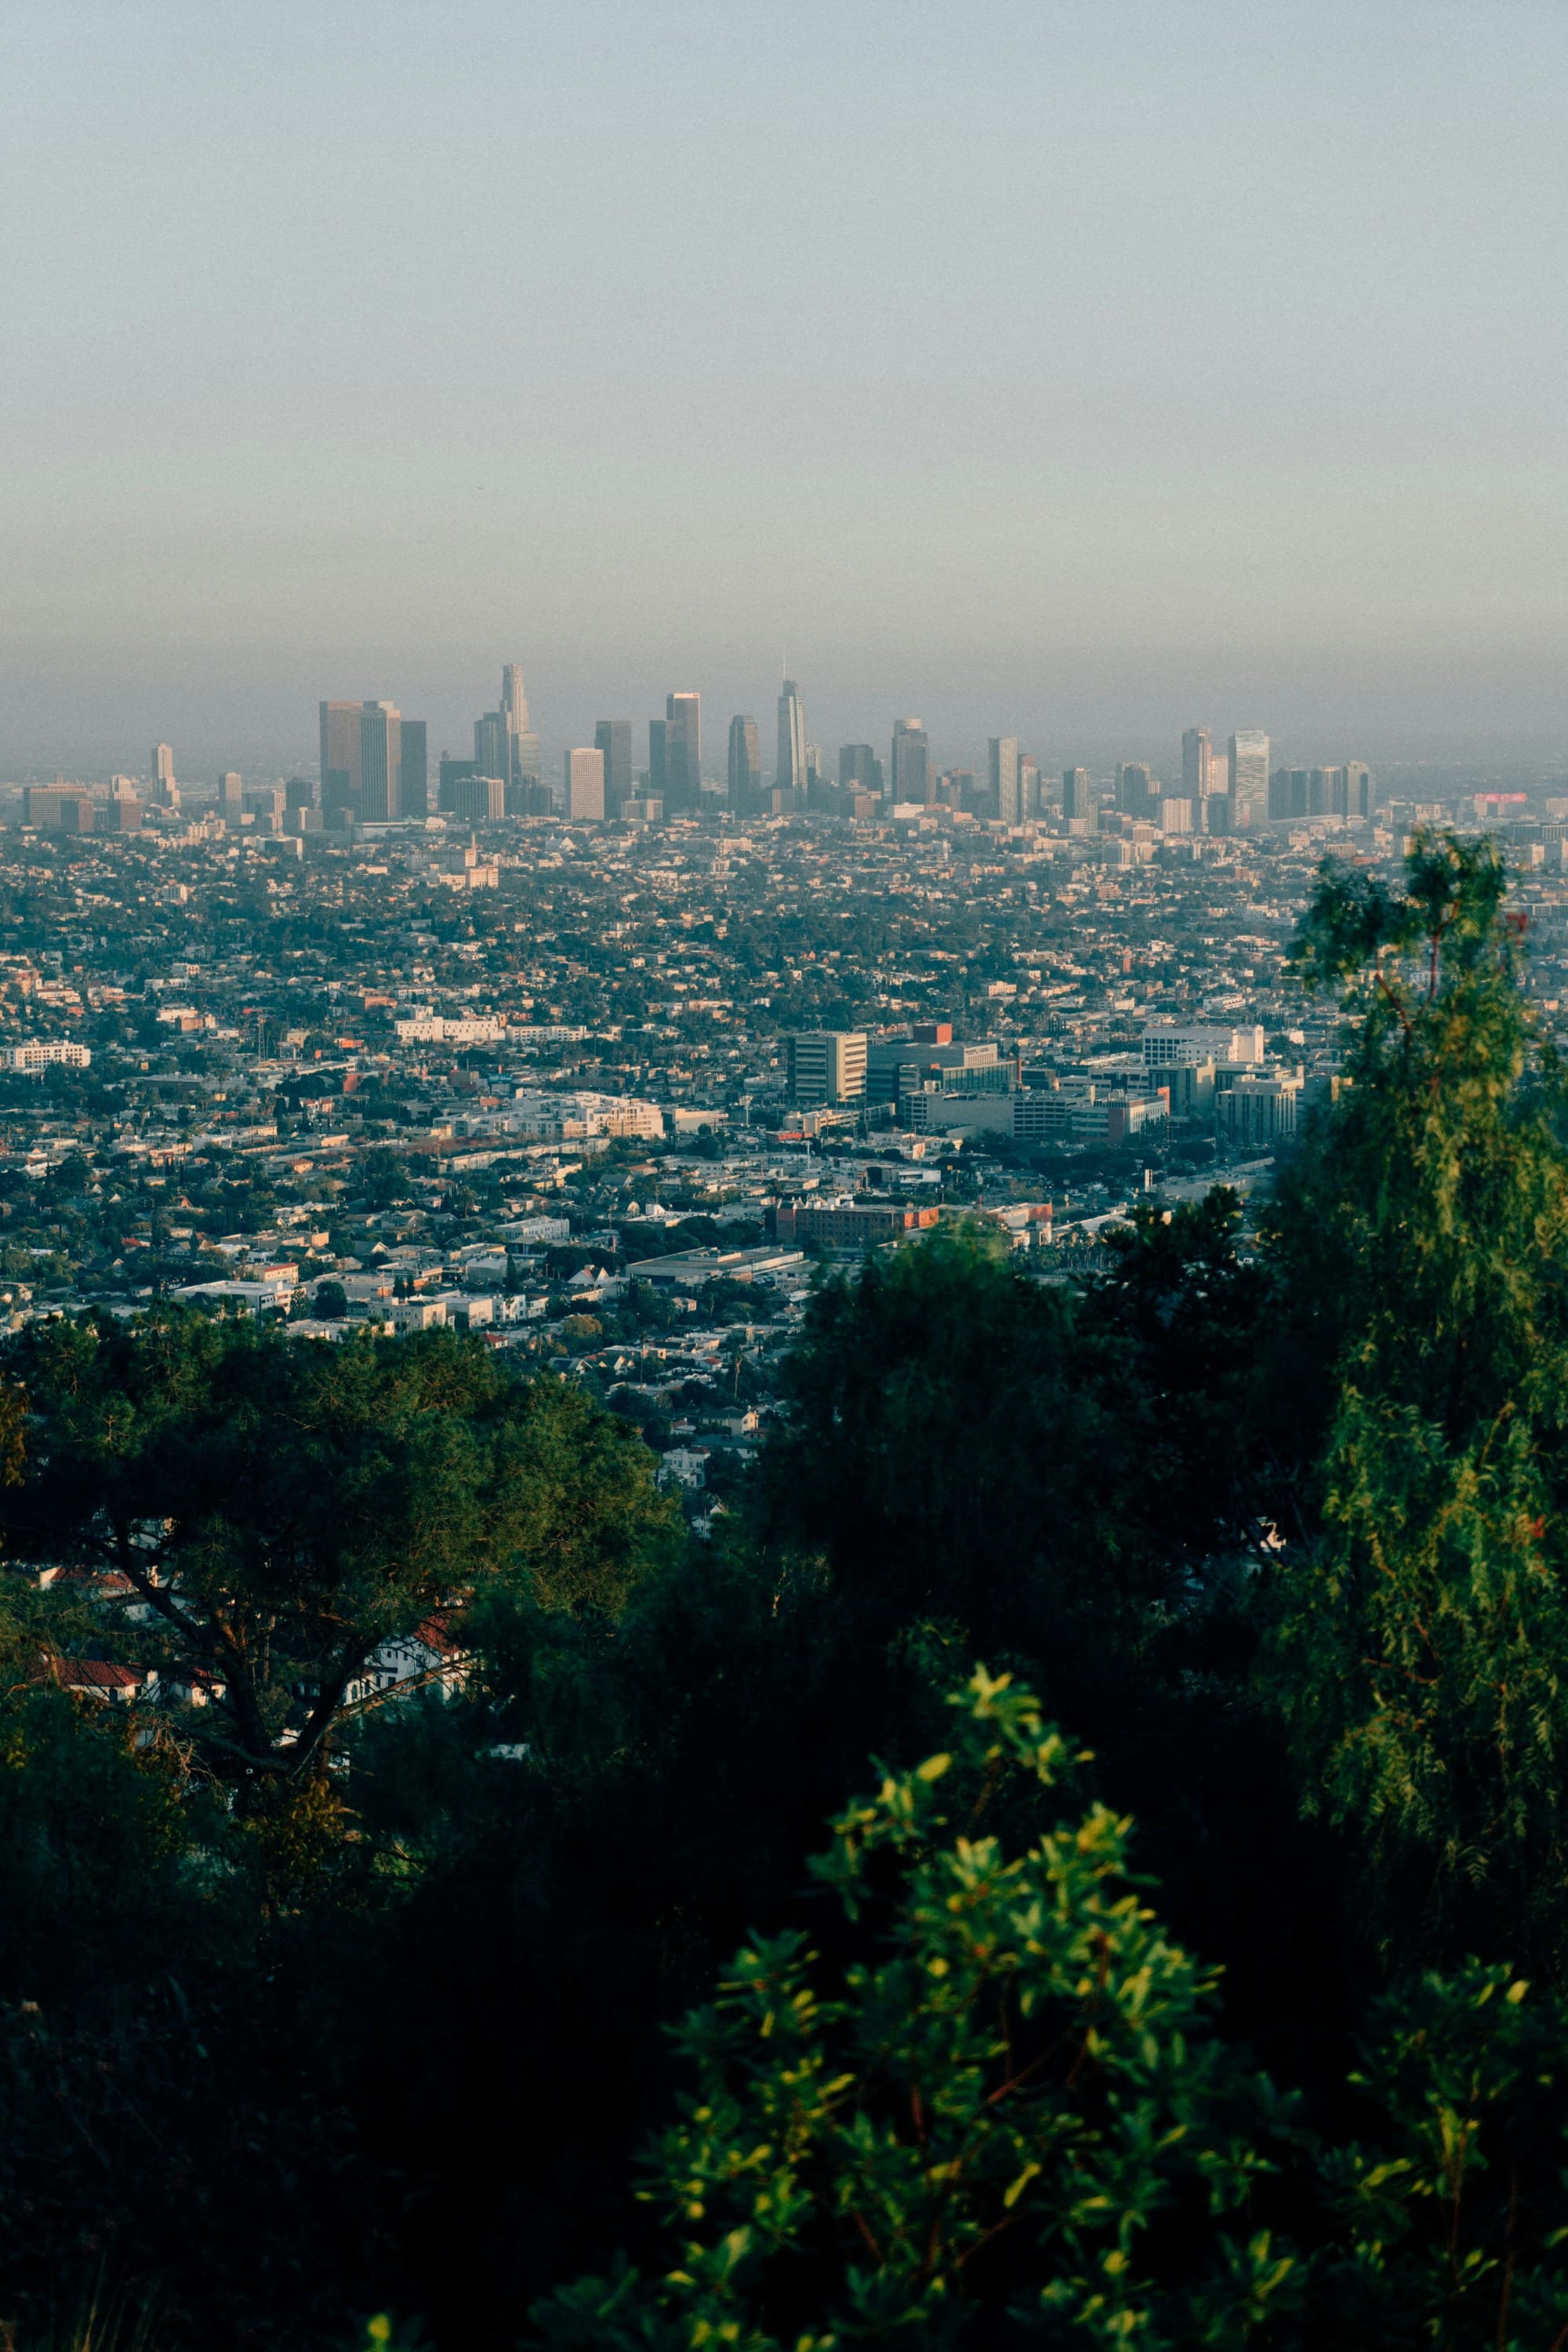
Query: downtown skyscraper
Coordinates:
[911,777]
[745,770]
[373,764]
[506,746]
[1006,801]
[1249,777]
[681,749]
[790,771]
[1197,756]
[613,738]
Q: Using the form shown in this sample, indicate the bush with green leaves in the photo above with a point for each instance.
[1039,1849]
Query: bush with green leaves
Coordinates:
[1015,2105]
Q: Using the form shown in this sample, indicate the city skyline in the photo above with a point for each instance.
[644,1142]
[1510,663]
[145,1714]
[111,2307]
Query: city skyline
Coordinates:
[1198,764]
[920,410]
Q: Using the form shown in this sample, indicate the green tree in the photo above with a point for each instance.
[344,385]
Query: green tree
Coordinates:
[383,1179]
[1448,2216]
[958,1437]
[281,1510]
[1420,1643]
[1015,2102]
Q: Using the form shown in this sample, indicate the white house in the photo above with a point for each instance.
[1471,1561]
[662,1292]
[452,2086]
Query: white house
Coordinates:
[429,1658]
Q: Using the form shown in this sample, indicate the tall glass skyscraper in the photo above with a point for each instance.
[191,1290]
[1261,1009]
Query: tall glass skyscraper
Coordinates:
[745,764]
[911,762]
[1006,803]
[380,763]
[1197,753]
[791,769]
[682,752]
[612,737]
[1249,777]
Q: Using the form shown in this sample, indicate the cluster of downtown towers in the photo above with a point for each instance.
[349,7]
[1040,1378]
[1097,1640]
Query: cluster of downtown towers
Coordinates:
[375,763]
[375,769]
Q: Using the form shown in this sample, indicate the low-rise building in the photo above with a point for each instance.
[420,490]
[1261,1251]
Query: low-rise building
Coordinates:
[687,1269]
[850,1224]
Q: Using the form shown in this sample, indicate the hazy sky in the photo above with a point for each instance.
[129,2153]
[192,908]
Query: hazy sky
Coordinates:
[1081,370]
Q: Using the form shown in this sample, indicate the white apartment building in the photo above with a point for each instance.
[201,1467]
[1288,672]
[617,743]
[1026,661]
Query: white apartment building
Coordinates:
[571,1118]
[1258,1110]
[1173,1046]
[45,1053]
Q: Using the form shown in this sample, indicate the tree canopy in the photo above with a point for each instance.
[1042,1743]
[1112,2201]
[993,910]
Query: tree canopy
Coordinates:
[1194,1971]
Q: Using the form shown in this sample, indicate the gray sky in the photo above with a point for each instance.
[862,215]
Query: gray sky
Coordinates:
[1082,371]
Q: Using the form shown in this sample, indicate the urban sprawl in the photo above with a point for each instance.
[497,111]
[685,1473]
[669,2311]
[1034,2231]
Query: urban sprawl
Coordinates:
[604,1068]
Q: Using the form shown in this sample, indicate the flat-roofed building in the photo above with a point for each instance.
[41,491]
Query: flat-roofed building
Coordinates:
[585,786]
[827,1066]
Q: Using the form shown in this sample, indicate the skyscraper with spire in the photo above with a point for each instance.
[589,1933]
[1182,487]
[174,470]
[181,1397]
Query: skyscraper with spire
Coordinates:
[505,744]
[522,768]
[791,770]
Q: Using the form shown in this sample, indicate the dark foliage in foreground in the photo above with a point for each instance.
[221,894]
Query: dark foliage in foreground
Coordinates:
[1231,2014]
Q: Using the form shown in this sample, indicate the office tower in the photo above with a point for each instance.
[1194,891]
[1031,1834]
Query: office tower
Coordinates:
[1249,777]
[414,770]
[472,798]
[1004,802]
[827,1066]
[340,756]
[265,802]
[506,746]
[380,761]
[790,773]
[1028,789]
[514,716]
[56,808]
[613,738]
[745,764]
[585,786]
[492,751]
[299,793]
[1290,794]
[682,752]
[229,787]
[522,766]
[452,774]
[911,762]
[1358,789]
[165,788]
[1135,790]
[658,761]
[858,765]
[523,771]
[1197,754]
[1075,794]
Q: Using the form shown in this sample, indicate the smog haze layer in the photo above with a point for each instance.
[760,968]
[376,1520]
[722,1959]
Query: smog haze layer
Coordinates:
[1077,372]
